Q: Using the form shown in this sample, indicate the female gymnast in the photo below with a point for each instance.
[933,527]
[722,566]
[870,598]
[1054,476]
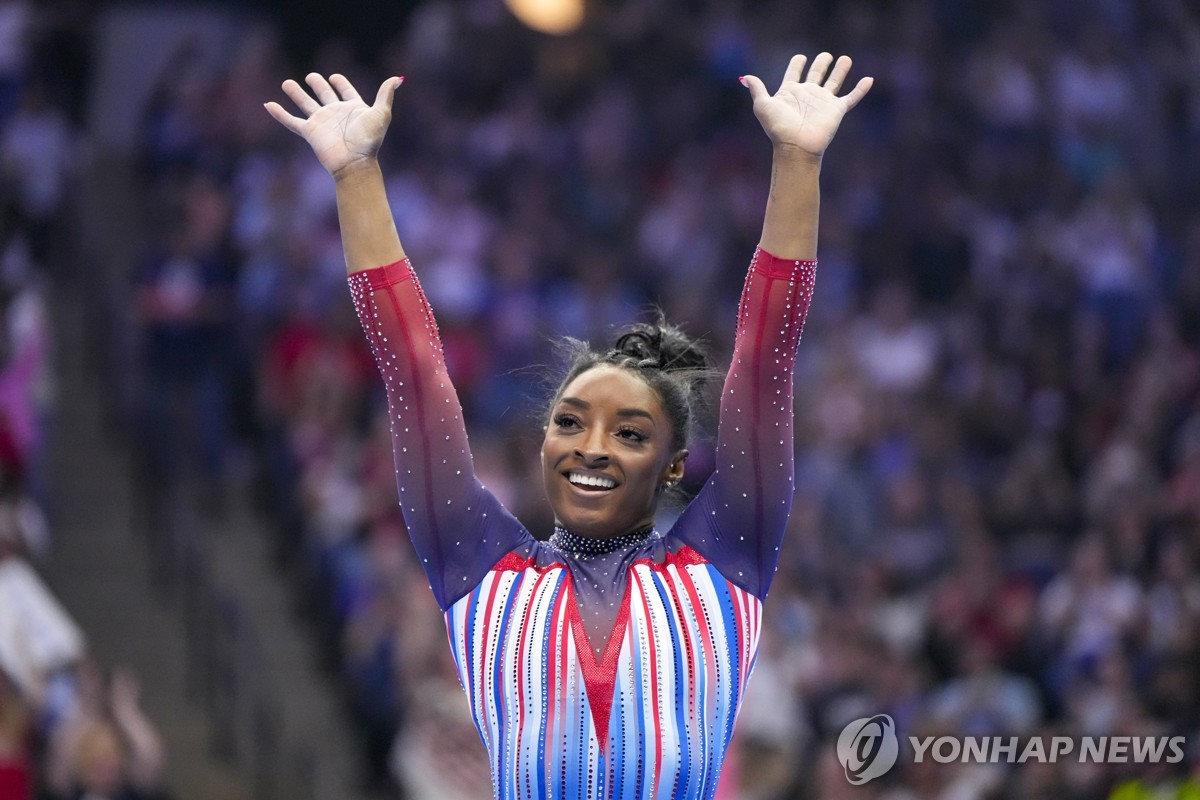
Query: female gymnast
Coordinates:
[610,660]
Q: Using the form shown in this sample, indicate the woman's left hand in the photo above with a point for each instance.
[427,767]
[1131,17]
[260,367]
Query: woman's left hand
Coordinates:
[804,115]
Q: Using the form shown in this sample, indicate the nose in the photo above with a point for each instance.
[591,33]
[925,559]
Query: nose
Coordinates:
[592,451]
[592,458]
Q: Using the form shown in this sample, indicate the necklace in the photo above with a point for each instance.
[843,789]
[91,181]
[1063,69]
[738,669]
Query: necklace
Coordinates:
[567,543]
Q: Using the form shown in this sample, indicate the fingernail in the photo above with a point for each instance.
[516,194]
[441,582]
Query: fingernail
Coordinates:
[742,80]
[401,80]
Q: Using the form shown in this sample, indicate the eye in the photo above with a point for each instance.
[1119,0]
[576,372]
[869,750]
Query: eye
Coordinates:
[566,421]
[632,434]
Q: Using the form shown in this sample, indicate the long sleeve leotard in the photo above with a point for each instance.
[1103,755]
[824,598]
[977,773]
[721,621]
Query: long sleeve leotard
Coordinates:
[598,670]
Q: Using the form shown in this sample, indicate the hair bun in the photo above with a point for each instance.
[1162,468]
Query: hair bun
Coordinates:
[644,346]
[660,346]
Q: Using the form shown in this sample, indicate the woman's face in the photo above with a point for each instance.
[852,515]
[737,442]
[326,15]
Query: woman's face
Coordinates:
[607,454]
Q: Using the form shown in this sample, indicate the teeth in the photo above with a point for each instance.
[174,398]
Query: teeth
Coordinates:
[591,480]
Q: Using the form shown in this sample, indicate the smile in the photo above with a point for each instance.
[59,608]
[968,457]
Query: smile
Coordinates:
[594,482]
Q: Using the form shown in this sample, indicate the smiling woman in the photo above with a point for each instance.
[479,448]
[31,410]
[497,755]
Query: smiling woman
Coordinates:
[611,659]
[621,420]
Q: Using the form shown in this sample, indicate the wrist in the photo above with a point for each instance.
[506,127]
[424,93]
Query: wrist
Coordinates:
[796,156]
[366,167]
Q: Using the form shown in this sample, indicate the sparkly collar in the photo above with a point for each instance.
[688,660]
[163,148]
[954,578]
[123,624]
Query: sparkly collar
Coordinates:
[568,543]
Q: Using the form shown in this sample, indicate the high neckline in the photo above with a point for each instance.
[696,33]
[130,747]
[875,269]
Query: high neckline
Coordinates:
[569,543]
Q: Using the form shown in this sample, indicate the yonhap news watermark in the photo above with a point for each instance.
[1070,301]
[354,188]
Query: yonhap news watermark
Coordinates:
[869,747]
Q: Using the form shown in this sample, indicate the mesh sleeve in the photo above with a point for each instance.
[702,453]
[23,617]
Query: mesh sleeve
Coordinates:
[459,529]
[738,519]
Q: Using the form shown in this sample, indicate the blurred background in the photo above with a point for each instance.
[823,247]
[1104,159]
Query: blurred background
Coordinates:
[205,588]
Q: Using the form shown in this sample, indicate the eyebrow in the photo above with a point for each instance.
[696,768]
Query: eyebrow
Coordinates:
[621,412]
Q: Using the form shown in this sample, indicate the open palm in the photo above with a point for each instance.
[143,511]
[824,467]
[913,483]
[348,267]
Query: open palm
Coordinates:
[339,126]
[806,114]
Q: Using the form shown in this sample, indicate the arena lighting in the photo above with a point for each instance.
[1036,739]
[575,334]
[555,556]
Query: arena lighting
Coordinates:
[556,17]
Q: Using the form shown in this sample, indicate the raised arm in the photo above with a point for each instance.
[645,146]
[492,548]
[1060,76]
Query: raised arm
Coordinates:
[457,527]
[738,520]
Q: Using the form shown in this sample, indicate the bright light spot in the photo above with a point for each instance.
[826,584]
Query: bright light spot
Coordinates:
[555,17]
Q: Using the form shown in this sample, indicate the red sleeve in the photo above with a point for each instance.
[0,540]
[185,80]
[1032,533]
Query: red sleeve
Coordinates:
[738,519]
[459,529]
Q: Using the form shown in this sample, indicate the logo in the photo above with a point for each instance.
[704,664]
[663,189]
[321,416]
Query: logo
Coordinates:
[868,748]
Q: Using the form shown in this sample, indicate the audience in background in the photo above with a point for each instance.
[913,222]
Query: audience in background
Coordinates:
[64,731]
[997,522]
[997,386]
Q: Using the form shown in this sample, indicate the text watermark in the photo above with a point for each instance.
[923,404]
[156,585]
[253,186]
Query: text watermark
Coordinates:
[869,747]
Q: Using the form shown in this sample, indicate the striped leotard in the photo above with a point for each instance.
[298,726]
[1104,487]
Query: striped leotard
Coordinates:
[598,669]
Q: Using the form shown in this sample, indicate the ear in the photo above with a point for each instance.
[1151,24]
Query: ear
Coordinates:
[674,471]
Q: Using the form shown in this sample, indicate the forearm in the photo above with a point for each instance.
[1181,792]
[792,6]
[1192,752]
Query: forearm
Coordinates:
[793,205]
[369,237]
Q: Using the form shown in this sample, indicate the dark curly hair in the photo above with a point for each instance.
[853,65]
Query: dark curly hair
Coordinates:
[673,364]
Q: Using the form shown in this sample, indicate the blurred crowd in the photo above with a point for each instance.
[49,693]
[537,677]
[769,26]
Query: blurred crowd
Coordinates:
[998,439]
[997,525]
[70,727]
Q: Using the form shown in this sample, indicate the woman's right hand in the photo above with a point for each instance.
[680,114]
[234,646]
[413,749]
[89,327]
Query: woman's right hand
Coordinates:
[339,126]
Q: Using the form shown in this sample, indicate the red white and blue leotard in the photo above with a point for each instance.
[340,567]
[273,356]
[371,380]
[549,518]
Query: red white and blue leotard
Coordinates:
[598,670]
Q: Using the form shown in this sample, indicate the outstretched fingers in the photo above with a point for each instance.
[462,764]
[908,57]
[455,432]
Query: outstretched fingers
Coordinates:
[820,65]
[795,69]
[343,86]
[321,88]
[303,101]
[758,91]
[858,92]
[337,89]
[293,124]
[301,98]
[837,76]
[386,93]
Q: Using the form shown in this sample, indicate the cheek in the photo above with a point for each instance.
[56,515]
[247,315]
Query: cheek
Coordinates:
[649,474]
[549,455]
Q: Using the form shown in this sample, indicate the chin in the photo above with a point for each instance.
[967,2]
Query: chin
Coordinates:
[597,520]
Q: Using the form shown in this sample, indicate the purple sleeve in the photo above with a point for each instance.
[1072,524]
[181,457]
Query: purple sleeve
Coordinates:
[459,529]
[738,519]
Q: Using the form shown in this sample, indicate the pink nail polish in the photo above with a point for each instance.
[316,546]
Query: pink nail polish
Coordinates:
[742,80]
